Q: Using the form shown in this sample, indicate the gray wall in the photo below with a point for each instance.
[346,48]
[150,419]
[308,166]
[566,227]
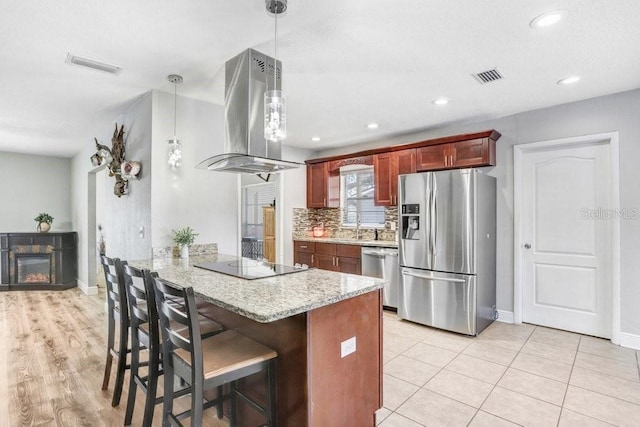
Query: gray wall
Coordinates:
[33,184]
[617,112]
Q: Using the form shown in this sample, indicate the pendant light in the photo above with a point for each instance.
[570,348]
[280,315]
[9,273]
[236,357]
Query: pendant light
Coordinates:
[174,155]
[275,113]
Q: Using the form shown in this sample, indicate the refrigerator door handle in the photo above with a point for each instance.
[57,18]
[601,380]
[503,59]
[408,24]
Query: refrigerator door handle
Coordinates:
[434,222]
[440,279]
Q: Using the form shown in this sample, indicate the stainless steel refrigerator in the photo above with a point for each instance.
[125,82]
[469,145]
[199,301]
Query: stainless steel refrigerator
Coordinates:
[447,257]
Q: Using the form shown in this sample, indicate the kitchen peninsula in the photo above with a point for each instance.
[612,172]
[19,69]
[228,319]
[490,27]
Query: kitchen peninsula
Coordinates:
[326,327]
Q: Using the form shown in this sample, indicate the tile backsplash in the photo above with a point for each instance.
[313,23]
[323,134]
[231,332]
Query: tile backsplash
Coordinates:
[329,218]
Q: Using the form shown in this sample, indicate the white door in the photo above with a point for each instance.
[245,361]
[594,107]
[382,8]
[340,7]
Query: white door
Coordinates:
[565,200]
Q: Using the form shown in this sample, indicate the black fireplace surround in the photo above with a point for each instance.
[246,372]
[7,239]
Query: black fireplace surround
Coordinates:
[37,261]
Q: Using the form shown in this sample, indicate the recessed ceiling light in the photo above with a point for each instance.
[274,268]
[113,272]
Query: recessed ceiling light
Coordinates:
[569,80]
[372,126]
[548,18]
[440,101]
[315,139]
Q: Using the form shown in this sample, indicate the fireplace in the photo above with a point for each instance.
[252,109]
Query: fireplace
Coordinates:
[34,268]
[37,261]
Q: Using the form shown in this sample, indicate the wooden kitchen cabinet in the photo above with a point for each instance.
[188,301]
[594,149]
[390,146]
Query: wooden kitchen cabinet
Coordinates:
[386,168]
[323,186]
[328,256]
[348,259]
[303,253]
[462,154]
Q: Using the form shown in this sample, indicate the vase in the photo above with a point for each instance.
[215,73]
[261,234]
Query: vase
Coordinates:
[43,227]
[184,251]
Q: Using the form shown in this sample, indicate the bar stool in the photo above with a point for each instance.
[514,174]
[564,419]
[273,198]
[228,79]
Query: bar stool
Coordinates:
[117,314]
[145,334]
[207,363]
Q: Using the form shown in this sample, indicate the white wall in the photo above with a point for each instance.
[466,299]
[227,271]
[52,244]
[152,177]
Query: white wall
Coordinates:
[294,183]
[206,201]
[617,112]
[124,216]
[33,184]
[83,205]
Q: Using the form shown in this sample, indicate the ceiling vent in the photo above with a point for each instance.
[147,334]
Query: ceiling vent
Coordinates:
[94,65]
[488,76]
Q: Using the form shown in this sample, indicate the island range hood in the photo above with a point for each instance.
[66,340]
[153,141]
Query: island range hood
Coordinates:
[247,77]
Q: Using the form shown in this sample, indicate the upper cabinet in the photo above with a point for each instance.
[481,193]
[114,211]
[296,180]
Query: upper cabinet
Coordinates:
[386,168]
[452,152]
[462,154]
[323,186]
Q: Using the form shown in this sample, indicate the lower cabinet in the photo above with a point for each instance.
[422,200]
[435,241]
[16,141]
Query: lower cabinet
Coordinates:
[328,256]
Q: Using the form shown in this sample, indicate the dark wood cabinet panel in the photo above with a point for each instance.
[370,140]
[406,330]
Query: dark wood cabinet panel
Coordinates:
[303,253]
[352,251]
[326,262]
[463,154]
[386,168]
[406,161]
[348,265]
[328,256]
[323,186]
[432,157]
[474,153]
[316,185]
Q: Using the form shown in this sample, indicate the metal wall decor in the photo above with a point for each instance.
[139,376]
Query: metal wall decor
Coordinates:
[118,167]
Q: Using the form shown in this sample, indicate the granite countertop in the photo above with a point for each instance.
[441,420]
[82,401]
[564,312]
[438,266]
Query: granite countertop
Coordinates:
[263,300]
[376,243]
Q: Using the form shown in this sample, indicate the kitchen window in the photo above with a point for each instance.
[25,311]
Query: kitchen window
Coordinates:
[357,188]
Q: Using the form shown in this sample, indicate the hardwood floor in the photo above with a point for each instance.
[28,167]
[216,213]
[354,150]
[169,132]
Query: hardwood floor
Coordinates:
[53,349]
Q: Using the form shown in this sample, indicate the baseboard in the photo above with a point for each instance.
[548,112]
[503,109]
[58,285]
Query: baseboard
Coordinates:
[505,316]
[87,290]
[630,340]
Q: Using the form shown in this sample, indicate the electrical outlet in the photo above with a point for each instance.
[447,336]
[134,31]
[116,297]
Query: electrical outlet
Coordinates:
[347,347]
[141,231]
[393,226]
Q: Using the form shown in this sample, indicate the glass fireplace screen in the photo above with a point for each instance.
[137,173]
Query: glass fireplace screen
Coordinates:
[33,268]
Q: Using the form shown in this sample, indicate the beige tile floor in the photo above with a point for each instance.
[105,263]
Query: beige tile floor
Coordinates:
[508,375]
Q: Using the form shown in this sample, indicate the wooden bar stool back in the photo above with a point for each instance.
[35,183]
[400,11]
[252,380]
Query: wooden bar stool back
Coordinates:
[208,363]
[144,335]
[117,315]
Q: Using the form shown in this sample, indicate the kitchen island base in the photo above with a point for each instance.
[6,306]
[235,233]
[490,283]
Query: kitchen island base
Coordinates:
[329,368]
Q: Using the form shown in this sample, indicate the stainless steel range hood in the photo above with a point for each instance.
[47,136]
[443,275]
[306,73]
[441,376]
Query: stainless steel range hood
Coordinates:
[247,77]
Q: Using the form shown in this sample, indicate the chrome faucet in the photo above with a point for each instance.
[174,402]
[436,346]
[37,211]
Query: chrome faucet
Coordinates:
[358,220]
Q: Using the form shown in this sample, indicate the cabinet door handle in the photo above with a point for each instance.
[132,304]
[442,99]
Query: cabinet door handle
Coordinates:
[445,160]
[324,202]
[451,160]
[303,247]
[311,259]
[337,262]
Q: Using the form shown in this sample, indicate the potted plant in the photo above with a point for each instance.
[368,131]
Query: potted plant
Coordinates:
[184,238]
[44,221]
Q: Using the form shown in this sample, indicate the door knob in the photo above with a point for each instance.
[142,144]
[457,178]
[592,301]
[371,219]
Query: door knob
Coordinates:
[527,245]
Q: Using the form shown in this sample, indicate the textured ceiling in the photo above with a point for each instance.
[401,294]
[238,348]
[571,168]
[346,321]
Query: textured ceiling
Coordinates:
[346,63]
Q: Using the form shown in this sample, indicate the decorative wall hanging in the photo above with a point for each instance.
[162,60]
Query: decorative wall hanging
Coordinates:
[118,167]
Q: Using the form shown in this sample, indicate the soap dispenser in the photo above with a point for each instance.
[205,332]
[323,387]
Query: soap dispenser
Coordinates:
[375,234]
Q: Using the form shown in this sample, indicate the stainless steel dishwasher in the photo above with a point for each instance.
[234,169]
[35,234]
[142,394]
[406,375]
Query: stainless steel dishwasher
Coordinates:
[383,264]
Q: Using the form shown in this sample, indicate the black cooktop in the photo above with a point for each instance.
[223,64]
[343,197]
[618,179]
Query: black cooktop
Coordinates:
[249,269]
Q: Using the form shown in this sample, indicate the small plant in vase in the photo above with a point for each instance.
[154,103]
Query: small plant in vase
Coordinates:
[184,238]
[44,221]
